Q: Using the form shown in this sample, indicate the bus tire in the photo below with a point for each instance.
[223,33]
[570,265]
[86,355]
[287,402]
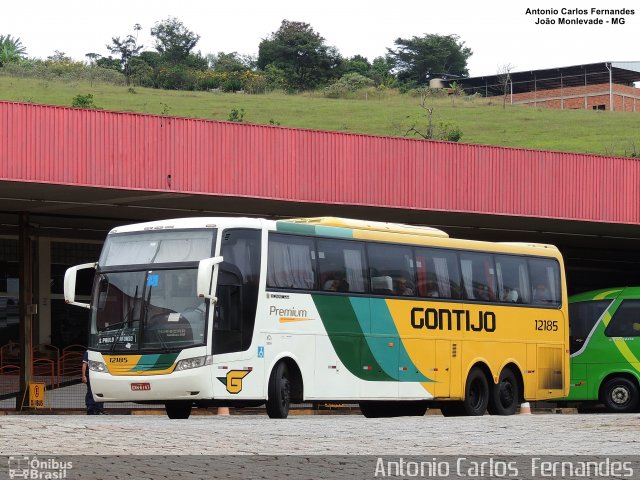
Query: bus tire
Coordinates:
[413,409]
[620,395]
[374,409]
[476,393]
[452,409]
[279,399]
[393,408]
[178,410]
[504,396]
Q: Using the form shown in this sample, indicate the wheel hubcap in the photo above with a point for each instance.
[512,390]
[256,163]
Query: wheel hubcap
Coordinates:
[506,393]
[284,392]
[620,395]
[475,395]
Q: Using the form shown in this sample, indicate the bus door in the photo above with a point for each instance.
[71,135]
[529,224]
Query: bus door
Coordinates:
[446,358]
[234,315]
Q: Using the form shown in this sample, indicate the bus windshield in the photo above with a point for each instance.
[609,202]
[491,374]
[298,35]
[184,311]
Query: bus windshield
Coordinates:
[167,246]
[147,310]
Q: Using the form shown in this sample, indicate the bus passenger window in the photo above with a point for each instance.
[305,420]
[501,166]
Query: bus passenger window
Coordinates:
[392,263]
[341,266]
[545,279]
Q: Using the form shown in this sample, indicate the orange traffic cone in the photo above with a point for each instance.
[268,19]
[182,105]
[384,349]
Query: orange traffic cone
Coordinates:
[223,411]
[525,409]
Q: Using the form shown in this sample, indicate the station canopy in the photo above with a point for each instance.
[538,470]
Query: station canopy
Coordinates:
[622,73]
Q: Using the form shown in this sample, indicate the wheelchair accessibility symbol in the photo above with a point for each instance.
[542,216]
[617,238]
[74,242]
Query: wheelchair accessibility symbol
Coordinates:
[260,351]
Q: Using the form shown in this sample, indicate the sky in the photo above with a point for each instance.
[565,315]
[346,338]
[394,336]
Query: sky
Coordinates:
[499,32]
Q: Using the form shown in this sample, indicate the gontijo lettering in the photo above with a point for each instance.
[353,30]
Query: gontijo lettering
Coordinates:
[445,319]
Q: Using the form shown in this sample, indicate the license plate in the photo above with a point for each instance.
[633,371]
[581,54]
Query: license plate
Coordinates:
[140,386]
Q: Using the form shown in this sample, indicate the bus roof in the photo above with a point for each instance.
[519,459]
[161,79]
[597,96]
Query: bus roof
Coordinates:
[370,225]
[602,294]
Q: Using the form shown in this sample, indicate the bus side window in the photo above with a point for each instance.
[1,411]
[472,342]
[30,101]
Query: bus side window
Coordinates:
[395,263]
[478,275]
[545,281]
[513,279]
[625,321]
[341,266]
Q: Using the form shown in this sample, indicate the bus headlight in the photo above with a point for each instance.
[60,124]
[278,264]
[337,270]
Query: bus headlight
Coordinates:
[195,362]
[97,366]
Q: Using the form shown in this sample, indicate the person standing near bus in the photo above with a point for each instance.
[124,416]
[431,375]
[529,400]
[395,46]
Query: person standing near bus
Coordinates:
[93,407]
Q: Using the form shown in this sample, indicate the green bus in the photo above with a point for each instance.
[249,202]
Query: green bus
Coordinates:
[605,348]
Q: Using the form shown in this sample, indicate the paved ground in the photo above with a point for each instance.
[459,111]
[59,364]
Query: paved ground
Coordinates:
[550,434]
[315,447]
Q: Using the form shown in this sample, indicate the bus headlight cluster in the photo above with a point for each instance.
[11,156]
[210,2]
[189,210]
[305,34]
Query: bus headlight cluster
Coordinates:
[195,362]
[97,366]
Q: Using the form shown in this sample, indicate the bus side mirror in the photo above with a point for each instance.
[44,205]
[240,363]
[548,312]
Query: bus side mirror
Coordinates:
[70,284]
[206,275]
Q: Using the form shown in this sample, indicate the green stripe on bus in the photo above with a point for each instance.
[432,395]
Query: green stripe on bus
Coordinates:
[306,229]
[155,362]
[392,359]
[346,336]
[291,227]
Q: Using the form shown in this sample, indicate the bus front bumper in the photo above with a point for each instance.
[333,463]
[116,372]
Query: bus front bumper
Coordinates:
[193,384]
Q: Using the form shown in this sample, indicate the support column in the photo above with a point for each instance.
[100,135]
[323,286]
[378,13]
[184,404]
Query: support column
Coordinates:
[44,291]
[25,259]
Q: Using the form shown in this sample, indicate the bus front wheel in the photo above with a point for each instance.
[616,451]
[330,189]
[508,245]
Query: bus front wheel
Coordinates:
[279,392]
[476,396]
[505,395]
[178,410]
[620,395]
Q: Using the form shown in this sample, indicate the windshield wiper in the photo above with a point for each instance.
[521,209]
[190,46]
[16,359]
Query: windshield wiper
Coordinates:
[125,320]
[165,347]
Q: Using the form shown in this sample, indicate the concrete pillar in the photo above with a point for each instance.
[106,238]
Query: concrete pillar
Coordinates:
[44,290]
[25,259]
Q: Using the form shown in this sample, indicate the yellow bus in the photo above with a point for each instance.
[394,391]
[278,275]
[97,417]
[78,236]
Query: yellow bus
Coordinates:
[236,311]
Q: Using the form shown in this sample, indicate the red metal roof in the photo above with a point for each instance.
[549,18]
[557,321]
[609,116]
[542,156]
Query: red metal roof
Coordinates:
[137,152]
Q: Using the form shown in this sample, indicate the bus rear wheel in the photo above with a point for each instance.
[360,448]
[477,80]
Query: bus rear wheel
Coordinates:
[279,399]
[452,409]
[620,395]
[374,409]
[505,395]
[476,396]
[393,409]
[178,410]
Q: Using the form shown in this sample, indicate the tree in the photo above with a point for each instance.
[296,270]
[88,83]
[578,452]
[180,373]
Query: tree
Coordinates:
[127,49]
[11,49]
[417,58]
[356,64]
[230,62]
[380,72]
[92,57]
[300,52]
[504,80]
[109,63]
[59,56]
[174,41]
[446,130]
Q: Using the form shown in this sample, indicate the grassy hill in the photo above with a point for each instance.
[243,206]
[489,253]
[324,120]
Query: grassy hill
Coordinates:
[379,113]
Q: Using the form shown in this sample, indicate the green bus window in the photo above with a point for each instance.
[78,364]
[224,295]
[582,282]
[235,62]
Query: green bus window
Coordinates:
[626,320]
[582,318]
